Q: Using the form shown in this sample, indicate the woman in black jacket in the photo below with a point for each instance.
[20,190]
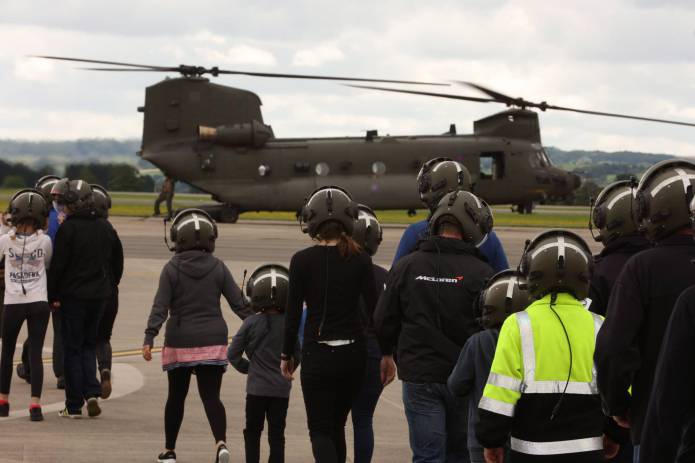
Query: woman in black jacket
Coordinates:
[330,278]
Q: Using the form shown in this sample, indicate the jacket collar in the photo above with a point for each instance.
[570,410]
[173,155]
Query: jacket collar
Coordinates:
[442,245]
[626,245]
[677,239]
[565,299]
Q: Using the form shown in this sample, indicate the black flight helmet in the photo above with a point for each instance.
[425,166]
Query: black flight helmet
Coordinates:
[464,209]
[45,185]
[613,213]
[367,231]
[328,203]
[102,201]
[76,194]
[28,204]
[268,286]
[440,176]
[663,198]
[557,261]
[193,229]
[503,295]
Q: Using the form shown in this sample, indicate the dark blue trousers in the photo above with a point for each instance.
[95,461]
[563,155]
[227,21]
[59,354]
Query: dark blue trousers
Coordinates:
[80,322]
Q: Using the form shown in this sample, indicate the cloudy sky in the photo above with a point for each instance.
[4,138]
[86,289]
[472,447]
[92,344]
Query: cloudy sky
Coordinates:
[634,57]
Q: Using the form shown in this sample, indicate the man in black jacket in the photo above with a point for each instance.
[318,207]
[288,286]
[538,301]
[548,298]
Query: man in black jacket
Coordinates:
[86,252]
[427,310]
[644,294]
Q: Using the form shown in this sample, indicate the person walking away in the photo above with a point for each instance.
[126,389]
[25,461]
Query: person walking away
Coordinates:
[644,294]
[613,216]
[102,204]
[27,253]
[436,178]
[44,185]
[78,282]
[330,277]
[428,311]
[368,234]
[260,337]
[503,295]
[195,340]
[166,194]
[542,386]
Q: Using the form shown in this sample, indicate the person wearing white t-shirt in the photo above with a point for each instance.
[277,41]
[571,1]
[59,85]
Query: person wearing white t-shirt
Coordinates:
[4,229]
[27,253]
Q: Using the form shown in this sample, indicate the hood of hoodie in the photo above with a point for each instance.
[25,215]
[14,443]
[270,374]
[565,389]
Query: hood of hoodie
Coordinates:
[439,244]
[195,264]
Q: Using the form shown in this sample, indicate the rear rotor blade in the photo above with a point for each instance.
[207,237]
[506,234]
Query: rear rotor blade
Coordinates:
[131,69]
[623,116]
[494,94]
[415,92]
[93,61]
[315,77]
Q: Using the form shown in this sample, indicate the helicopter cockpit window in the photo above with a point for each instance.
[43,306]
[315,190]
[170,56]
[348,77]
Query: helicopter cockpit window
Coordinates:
[491,166]
[539,159]
[322,169]
[546,158]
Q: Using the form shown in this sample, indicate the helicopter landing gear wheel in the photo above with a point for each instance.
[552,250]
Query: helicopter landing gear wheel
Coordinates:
[412,212]
[229,214]
[525,208]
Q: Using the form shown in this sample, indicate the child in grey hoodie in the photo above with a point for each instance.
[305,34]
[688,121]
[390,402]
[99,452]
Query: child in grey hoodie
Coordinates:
[501,297]
[261,337]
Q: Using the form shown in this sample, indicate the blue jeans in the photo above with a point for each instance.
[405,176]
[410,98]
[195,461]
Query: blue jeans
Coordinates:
[437,423]
[364,404]
[80,321]
[635,454]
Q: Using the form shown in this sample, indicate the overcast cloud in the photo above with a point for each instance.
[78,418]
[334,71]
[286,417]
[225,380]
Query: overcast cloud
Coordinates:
[635,57]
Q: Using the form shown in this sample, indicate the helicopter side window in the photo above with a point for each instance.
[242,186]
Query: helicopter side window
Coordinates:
[491,166]
[538,160]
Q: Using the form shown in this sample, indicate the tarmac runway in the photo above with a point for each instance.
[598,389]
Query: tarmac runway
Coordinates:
[131,427]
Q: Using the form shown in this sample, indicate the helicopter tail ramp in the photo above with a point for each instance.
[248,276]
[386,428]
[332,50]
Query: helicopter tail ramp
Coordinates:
[519,124]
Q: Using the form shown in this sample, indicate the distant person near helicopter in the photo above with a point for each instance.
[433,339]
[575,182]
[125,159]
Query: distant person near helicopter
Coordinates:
[166,194]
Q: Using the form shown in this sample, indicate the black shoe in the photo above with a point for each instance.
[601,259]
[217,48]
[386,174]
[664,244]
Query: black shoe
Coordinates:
[93,409]
[23,373]
[4,410]
[60,383]
[35,414]
[105,383]
[223,455]
[167,457]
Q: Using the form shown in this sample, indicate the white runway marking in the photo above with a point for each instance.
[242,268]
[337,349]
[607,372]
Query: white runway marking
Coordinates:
[127,379]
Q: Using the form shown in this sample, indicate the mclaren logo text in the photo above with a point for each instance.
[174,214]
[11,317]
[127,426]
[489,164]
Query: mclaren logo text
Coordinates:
[453,280]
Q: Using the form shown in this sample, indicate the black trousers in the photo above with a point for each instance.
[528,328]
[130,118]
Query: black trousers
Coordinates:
[36,315]
[209,378]
[331,379]
[164,197]
[58,357]
[258,409]
[104,332]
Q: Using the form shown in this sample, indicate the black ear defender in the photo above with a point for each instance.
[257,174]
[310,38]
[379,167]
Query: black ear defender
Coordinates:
[70,194]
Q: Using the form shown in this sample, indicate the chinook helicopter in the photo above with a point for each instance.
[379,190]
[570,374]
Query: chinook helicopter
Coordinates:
[214,138]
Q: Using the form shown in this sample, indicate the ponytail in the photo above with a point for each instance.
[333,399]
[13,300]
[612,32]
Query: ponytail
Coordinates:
[347,247]
[333,230]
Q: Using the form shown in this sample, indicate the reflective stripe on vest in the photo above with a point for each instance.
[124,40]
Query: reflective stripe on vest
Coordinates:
[506,382]
[557,447]
[496,406]
[530,385]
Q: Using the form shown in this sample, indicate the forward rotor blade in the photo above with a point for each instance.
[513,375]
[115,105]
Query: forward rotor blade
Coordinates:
[316,77]
[415,92]
[130,69]
[93,61]
[494,94]
[623,116]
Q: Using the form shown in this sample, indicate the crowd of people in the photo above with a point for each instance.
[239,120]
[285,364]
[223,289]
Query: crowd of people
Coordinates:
[565,357]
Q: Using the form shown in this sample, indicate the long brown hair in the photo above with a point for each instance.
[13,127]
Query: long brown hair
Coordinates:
[334,230]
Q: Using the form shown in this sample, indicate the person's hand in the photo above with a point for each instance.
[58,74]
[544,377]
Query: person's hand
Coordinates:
[147,352]
[55,305]
[623,421]
[610,447]
[3,219]
[287,369]
[495,455]
[388,369]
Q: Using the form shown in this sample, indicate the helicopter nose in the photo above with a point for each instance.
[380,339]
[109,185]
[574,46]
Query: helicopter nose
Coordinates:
[576,180]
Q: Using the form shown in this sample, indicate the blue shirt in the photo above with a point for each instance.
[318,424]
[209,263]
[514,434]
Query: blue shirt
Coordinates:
[53,224]
[490,247]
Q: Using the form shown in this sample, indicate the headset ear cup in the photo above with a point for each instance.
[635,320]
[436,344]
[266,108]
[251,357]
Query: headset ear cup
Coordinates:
[599,216]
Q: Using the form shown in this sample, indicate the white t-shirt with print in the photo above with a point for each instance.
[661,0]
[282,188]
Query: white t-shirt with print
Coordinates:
[26,260]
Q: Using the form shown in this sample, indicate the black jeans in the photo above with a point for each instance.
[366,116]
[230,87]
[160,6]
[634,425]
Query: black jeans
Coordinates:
[58,358]
[209,378]
[104,353]
[365,403]
[36,314]
[80,320]
[258,408]
[331,379]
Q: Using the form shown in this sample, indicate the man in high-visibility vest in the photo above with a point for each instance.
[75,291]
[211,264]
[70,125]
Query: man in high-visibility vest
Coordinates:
[542,385]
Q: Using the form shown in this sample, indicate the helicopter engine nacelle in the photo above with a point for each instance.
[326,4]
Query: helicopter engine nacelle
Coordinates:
[253,134]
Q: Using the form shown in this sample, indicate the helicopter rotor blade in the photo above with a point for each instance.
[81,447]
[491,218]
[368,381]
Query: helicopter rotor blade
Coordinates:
[128,69]
[501,97]
[623,116]
[416,92]
[215,71]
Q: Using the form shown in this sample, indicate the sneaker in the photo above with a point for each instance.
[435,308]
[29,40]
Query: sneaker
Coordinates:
[35,413]
[93,408]
[105,383]
[60,383]
[23,373]
[4,409]
[65,413]
[167,457]
[223,455]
